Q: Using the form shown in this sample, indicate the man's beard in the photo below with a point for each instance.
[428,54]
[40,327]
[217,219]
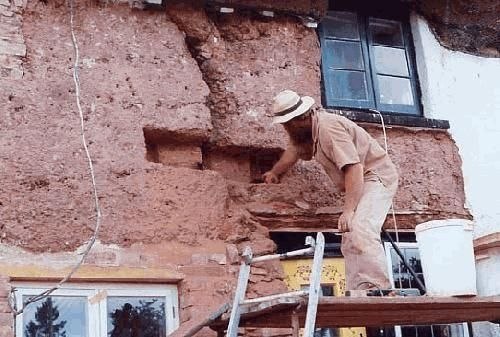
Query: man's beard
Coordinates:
[300,136]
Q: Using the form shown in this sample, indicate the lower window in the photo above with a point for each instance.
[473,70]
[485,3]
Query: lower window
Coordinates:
[91,310]
[402,279]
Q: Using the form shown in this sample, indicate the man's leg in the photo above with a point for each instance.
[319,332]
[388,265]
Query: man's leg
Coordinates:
[362,248]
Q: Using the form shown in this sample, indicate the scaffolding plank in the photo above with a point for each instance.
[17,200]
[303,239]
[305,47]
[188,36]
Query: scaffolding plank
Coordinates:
[373,311]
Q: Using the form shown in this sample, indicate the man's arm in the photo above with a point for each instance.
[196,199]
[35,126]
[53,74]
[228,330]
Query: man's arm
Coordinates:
[353,175]
[287,160]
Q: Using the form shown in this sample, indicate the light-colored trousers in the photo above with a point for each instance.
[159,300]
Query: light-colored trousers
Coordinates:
[364,255]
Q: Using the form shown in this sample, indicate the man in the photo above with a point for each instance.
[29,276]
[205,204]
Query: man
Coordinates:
[359,165]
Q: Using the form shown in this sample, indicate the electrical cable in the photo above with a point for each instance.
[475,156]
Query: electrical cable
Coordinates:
[93,238]
[420,285]
[392,203]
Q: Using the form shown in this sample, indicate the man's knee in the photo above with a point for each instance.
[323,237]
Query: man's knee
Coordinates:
[356,242]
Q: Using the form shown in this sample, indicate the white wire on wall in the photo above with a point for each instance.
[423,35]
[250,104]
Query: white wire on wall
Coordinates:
[93,238]
[386,148]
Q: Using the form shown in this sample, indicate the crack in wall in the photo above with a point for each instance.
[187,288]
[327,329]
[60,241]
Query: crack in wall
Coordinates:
[206,46]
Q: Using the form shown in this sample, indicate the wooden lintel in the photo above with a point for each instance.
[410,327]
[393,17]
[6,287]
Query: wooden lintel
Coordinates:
[486,242]
[89,273]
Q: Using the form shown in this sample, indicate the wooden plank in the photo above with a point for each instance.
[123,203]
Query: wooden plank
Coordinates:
[239,296]
[189,329]
[295,325]
[314,286]
[413,318]
[377,311]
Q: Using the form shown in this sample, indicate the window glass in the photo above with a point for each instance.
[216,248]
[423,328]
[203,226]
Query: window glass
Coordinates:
[450,330]
[394,90]
[386,32]
[349,85]
[390,61]
[345,54]
[368,62]
[341,25]
[424,331]
[406,280]
[56,316]
[409,331]
[136,316]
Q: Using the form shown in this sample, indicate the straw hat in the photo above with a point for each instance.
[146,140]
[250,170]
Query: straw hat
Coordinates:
[288,105]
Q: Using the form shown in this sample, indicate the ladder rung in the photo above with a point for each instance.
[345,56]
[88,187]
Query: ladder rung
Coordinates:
[299,252]
[272,297]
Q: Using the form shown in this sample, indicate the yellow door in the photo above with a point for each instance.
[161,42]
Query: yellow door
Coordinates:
[297,274]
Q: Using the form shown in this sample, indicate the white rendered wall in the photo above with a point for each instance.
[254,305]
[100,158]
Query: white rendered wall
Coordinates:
[465,90]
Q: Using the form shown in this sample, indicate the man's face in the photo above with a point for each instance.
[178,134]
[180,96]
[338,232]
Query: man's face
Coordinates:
[300,128]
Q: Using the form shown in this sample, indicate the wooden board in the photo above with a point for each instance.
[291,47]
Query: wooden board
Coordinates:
[372,311]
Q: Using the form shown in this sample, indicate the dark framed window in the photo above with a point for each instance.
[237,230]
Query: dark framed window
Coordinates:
[401,278]
[368,63]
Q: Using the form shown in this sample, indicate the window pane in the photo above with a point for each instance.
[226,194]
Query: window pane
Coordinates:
[395,90]
[395,260]
[348,85]
[327,290]
[326,332]
[408,331]
[413,259]
[390,61]
[57,316]
[136,317]
[345,55]
[451,330]
[424,331]
[386,32]
[342,25]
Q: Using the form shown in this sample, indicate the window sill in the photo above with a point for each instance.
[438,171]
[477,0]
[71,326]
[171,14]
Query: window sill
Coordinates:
[400,120]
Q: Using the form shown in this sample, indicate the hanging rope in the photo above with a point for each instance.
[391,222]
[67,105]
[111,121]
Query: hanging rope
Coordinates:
[93,238]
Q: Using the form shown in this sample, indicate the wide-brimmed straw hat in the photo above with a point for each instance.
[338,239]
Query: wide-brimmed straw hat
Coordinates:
[288,105]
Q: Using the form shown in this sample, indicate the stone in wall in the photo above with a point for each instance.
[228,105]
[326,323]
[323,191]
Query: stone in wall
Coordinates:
[468,26]
[313,8]
[136,73]
[246,60]
[430,186]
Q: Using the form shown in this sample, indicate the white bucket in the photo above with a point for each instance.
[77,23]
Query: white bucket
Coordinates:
[447,256]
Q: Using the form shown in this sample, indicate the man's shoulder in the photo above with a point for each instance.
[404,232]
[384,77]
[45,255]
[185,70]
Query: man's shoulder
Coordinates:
[331,119]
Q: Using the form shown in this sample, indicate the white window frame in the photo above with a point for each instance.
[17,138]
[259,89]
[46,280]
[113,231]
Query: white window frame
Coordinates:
[403,245]
[96,294]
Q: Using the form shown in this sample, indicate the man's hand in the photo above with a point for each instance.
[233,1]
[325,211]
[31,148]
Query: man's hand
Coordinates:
[270,178]
[345,221]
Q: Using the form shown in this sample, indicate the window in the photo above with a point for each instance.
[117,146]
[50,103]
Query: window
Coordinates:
[402,279]
[368,63]
[93,310]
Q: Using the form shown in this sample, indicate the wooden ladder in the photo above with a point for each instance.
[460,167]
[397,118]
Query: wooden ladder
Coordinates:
[317,246]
